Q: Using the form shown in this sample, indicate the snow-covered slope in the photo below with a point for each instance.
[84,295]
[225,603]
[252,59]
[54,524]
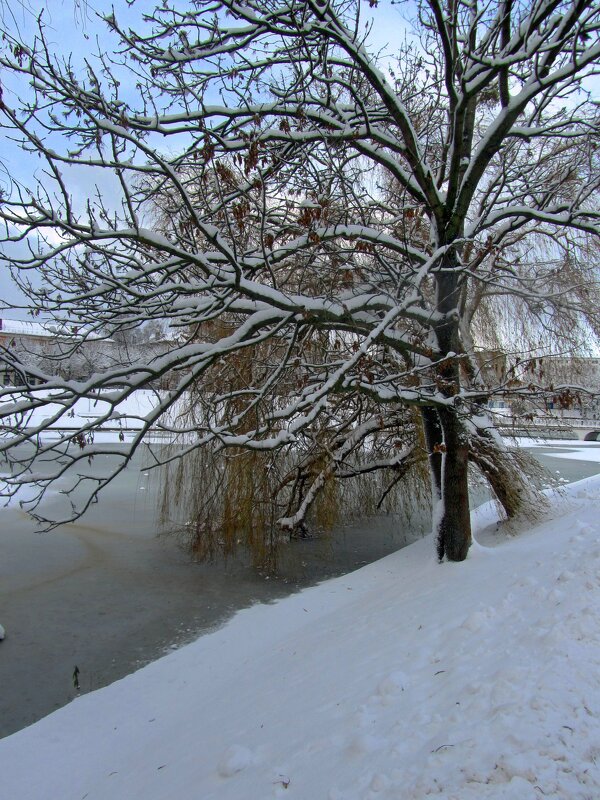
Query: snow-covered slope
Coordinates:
[405,679]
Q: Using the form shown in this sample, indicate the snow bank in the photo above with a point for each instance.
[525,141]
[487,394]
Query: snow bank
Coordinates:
[129,413]
[573,445]
[405,679]
[577,453]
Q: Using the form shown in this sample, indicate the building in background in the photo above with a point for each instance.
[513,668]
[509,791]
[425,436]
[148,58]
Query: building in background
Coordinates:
[70,352]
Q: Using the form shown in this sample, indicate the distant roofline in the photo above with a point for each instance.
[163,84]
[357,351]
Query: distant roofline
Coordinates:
[46,330]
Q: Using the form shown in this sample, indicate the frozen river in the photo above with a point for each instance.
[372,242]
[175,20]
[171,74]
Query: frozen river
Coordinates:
[107,594]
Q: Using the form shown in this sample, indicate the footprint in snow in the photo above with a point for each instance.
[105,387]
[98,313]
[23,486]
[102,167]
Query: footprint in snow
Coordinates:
[234,759]
[565,576]
[391,686]
[365,743]
[379,782]
[519,789]
[476,621]
[585,529]
[366,716]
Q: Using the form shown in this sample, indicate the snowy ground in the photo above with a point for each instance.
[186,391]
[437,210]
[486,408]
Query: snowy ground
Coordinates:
[129,418]
[572,449]
[405,679]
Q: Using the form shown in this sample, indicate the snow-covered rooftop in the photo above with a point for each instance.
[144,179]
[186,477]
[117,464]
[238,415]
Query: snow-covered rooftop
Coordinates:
[48,329]
[27,328]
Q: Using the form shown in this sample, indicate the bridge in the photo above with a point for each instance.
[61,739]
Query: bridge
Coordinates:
[586,430]
[551,427]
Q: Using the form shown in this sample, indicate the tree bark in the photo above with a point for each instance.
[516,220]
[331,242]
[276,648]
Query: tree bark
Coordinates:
[454,532]
[434,438]
[454,518]
[448,449]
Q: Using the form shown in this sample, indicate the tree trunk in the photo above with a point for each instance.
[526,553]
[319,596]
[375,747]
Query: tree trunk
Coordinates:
[448,449]
[454,531]
[453,517]
[434,437]
[505,472]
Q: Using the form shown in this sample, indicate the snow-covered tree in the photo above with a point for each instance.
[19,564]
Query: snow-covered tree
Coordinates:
[325,230]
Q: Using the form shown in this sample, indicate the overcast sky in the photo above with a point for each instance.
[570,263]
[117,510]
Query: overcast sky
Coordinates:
[74,28]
